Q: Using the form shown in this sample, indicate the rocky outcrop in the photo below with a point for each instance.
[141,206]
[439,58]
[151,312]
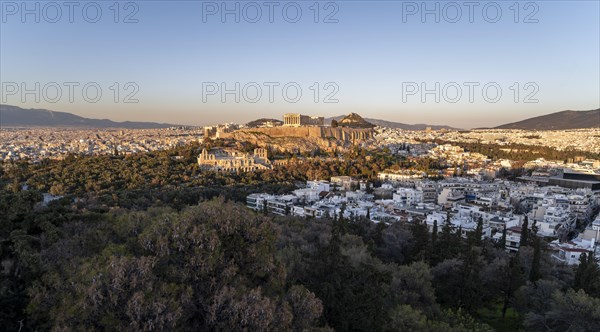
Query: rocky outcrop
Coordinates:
[342,134]
[296,139]
[354,120]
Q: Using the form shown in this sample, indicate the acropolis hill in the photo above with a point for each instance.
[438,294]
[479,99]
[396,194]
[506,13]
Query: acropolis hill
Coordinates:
[340,133]
[301,132]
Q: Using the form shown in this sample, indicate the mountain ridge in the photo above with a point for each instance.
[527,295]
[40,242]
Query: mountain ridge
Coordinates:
[561,120]
[14,116]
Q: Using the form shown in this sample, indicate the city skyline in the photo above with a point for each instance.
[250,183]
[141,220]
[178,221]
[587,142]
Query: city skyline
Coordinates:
[366,57]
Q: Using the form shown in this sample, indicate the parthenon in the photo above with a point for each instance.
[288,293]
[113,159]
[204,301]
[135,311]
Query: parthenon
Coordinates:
[298,120]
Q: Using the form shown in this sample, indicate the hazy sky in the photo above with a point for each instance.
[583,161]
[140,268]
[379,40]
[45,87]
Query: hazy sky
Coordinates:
[371,57]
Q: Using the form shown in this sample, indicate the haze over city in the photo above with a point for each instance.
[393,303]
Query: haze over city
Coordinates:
[367,57]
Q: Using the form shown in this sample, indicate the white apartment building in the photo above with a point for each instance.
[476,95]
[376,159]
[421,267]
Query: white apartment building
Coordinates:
[407,196]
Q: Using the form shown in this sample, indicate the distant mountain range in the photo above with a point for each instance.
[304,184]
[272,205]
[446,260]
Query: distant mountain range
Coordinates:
[558,121]
[13,116]
[390,124]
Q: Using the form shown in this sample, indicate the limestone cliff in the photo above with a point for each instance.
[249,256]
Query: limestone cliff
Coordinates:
[301,139]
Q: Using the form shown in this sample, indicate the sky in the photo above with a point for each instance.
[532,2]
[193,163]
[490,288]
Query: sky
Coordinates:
[464,64]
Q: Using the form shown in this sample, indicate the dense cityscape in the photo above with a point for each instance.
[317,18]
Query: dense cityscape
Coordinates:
[36,144]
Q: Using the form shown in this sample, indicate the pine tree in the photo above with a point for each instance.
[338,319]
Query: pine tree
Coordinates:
[265,210]
[379,229]
[580,271]
[448,243]
[503,238]
[472,288]
[534,273]
[587,275]
[342,223]
[434,232]
[433,249]
[524,233]
[421,248]
[456,243]
[513,281]
[475,237]
[534,228]
[342,210]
